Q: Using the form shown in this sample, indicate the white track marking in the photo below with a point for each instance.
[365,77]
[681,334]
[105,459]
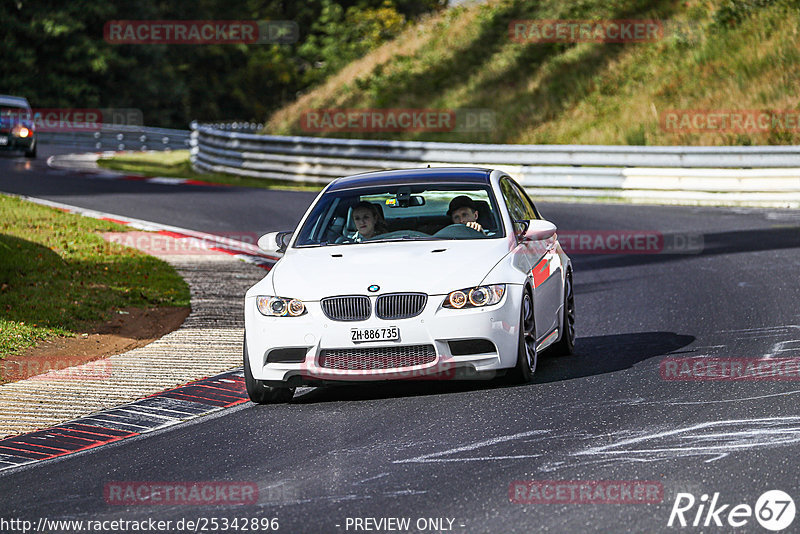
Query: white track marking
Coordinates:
[714,438]
[435,456]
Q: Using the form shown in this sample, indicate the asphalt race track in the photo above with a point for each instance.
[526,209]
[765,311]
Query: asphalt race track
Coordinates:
[449,451]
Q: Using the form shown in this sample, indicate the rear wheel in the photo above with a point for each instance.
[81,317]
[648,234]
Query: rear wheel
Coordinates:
[258,391]
[566,345]
[526,345]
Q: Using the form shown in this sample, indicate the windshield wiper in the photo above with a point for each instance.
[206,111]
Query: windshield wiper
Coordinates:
[403,238]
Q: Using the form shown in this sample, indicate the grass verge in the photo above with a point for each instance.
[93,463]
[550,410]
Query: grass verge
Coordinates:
[58,275]
[175,164]
[711,56]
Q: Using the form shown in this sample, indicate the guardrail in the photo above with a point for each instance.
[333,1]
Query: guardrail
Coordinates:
[118,137]
[750,175]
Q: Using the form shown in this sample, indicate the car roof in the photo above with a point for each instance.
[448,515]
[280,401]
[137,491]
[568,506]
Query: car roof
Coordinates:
[455,175]
[14,101]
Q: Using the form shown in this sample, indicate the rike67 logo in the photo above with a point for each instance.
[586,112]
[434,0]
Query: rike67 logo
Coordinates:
[774,510]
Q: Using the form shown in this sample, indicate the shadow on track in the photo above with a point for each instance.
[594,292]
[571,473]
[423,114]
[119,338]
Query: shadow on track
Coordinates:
[714,244]
[594,356]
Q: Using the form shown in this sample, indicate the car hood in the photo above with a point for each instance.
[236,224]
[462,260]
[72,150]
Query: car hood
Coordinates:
[432,267]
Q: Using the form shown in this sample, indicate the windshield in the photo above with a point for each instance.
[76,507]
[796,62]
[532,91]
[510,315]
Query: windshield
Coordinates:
[402,213]
[14,111]
[10,115]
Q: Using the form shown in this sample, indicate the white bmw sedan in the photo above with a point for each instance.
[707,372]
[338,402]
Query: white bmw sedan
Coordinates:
[409,274]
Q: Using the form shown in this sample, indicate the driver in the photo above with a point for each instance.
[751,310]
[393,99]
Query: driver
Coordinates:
[463,210]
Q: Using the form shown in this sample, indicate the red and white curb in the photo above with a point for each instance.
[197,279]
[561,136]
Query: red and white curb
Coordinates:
[90,410]
[246,252]
[155,412]
[86,165]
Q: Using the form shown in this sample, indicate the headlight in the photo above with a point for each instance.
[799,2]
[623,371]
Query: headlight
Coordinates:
[279,306]
[475,297]
[20,131]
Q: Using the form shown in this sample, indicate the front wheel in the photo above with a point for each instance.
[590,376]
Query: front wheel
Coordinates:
[32,152]
[566,345]
[527,356]
[258,391]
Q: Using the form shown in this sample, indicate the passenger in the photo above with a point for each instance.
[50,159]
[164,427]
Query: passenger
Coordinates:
[369,221]
[463,210]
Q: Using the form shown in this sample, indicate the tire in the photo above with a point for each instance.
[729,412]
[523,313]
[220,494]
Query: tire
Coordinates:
[527,356]
[566,345]
[258,391]
[32,152]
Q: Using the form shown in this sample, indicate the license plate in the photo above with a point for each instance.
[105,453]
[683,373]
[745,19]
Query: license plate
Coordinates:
[3,140]
[389,333]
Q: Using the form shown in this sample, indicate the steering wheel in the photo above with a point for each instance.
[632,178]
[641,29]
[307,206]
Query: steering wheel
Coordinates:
[458,230]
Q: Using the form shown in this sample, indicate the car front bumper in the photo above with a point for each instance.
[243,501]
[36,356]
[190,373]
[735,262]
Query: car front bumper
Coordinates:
[12,142]
[466,343]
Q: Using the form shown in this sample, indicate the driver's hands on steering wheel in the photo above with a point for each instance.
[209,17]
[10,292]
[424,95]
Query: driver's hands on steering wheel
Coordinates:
[474,225]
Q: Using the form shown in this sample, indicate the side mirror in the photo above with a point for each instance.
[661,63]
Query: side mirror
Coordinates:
[538,230]
[274,241]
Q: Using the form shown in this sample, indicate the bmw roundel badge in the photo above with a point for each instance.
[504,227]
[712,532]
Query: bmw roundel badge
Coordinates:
[373,288]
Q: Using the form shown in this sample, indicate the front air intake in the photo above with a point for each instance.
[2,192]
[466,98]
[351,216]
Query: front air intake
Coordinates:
[367,358]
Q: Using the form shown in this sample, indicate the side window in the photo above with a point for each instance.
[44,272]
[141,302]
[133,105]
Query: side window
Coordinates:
[530,209]
[517,208]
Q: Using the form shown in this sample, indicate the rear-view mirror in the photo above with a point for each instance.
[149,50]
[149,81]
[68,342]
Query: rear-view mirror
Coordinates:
[411,201]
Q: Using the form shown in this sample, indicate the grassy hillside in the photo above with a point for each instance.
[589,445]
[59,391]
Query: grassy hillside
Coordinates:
[730,55]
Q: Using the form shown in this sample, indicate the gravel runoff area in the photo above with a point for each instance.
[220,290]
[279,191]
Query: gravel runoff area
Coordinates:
[207,343]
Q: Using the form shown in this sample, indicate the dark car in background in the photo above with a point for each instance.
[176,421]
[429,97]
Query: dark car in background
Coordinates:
[17,131]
